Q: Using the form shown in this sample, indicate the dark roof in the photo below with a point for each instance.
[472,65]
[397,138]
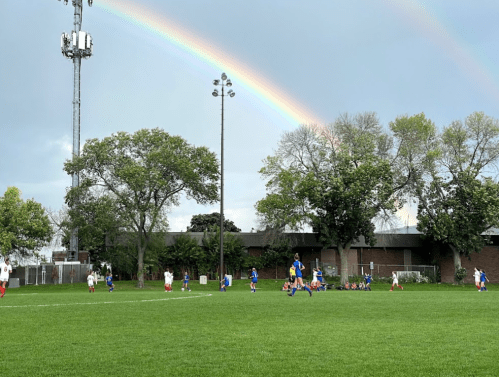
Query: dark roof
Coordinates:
[260,239]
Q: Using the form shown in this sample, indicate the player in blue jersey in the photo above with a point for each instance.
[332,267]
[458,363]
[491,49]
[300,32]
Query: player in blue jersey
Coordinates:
[368,279]
[225,283]
[109,281]
[254,280]
[483,278]
[319,278]
[299,267]
[186,282]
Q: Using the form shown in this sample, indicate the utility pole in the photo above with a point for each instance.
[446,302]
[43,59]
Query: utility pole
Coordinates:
[76,46]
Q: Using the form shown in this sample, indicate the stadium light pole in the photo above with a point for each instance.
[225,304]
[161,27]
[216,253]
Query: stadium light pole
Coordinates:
[76,46]
[222,83]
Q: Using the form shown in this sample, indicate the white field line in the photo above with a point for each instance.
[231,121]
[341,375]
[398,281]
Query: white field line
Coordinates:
[98,303]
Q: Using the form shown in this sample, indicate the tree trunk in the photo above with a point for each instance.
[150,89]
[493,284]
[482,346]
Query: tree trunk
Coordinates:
[456,255]
[344,251]
[140,262]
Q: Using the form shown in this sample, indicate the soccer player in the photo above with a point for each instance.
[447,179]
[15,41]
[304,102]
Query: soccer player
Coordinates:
[395,281]
[90,281]
[109,281]
[315,282]
[476,274]
[5,270]
[254,280]
[299,277]
[319,278]
[368,279]
[186,281]
[292,277]
[483,277]
[225,283]
[168,281]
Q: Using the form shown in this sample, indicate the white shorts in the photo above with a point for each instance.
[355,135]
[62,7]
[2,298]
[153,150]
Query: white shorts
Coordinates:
[2,279]
[395,281]
[90,283]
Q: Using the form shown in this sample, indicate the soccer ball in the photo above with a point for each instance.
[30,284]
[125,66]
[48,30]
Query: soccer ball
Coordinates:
[182,289]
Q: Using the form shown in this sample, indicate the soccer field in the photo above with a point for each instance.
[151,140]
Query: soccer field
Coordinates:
[66,331]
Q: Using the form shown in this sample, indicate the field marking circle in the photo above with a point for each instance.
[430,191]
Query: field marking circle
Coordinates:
[104,302]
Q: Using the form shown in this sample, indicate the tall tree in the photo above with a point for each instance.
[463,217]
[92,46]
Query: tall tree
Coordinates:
[96,219]
[207,222]
[278,252]
[233,250]
[145,174]
[339,179]
[24,225]
[185,253]
[458,203]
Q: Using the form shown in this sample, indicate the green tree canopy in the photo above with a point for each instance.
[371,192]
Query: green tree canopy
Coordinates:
[233,250]
[338,179]
[24,225]
[208,222]
[144,174]
[458,203]
[185,253]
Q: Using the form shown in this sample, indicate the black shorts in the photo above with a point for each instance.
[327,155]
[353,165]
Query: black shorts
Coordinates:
[292,279]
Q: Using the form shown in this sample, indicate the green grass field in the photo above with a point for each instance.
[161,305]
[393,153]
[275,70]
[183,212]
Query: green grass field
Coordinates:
[425,330]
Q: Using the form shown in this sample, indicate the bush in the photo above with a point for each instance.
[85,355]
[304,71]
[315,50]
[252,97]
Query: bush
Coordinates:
[460,274]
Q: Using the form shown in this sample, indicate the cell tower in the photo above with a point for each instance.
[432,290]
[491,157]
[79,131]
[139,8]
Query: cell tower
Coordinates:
[76,46]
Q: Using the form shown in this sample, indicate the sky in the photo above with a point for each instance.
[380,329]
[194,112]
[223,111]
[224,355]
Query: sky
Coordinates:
[291,62]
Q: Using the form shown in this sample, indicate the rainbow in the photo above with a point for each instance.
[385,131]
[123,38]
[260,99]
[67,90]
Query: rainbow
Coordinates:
[256,83]
[424,21]
[293,111]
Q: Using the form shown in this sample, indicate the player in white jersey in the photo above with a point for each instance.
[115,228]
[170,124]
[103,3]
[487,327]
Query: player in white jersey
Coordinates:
[476,274]
[395,282]
[5,270]
[315,281]
[90,281]
[168,281]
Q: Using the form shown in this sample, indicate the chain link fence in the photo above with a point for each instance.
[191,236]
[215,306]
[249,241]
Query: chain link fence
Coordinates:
[51,274]
[379,270]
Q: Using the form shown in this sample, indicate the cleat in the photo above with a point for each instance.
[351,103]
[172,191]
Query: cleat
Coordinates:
[289,294]
[310,293]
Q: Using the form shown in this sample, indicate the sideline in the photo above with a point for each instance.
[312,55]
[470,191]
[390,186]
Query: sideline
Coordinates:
[104,302]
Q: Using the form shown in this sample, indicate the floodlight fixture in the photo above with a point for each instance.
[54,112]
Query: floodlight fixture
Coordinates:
[216,82]
[215,93]
[224,76]
[229,83]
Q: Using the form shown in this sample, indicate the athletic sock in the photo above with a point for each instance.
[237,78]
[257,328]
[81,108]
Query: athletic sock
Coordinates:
[293,292]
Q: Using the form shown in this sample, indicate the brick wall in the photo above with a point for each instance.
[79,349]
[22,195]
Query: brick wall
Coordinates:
[487,259]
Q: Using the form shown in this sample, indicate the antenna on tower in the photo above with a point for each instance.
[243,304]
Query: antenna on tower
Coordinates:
[76,46]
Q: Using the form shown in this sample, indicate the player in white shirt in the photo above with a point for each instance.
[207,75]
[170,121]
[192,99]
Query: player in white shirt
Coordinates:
[395,281]
[168,281]
[90,281]
[5,270]
[476,274]
[315,281]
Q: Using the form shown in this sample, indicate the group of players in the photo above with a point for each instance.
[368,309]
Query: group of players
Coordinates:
[92,280]
[169,281]
[480,279]
[295,279]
